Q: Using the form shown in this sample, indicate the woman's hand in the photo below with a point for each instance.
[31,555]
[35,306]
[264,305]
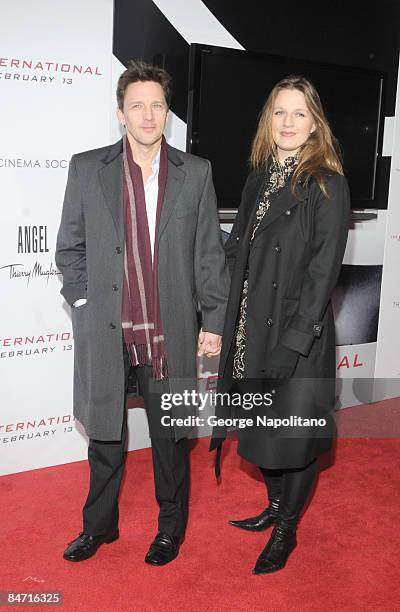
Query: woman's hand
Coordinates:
[281,362]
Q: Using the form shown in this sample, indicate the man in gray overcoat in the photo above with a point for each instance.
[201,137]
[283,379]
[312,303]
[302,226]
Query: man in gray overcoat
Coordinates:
[139,249]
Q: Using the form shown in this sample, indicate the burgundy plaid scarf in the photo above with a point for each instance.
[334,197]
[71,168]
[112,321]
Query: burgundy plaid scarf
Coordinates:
[141,319]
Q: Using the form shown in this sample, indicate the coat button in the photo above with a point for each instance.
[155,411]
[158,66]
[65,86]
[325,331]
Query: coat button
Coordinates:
[317,329]
[288,212]
[115,287]
[112,325]
[237,238]
[274,284]
[278,249]
[270,322]
[118,250]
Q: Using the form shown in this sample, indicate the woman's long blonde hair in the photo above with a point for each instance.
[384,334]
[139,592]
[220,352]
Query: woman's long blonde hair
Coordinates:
[317,156]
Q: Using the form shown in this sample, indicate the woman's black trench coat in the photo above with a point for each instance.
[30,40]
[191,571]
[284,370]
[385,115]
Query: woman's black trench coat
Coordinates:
[294,262]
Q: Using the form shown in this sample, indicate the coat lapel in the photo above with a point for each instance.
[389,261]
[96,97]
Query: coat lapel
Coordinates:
[175,179]
[111,181]
[252,199]
[112,185]
[284,201]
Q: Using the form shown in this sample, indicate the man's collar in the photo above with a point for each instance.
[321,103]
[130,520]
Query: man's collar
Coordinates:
[116,149]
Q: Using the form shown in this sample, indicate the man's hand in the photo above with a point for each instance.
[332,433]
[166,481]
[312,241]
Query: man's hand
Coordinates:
[208,344]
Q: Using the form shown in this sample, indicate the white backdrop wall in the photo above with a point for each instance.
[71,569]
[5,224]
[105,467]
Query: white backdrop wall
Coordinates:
[55,78]
[50,110]
[387,371]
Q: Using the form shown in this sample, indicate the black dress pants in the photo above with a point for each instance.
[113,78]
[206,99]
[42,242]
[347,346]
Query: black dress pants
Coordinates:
[170,465]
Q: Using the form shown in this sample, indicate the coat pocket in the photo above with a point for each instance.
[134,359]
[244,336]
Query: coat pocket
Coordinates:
[185,210]
[290,306]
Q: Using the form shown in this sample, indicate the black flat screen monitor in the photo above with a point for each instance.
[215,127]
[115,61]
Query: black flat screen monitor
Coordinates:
[227,89]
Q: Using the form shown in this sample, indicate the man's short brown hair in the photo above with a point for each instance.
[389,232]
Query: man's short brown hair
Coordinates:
[138,70]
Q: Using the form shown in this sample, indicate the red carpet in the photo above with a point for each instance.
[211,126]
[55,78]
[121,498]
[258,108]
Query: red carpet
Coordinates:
[346,559]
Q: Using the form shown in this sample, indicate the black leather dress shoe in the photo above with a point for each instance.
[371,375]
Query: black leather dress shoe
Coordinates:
[85,546]
[163,549]
[268,517]
[277,550]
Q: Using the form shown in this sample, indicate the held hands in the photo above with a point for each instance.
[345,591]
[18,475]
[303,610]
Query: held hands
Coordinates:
[281,362]
[208,344]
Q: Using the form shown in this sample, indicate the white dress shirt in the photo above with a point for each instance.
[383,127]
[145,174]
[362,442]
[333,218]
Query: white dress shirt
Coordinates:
[151,196]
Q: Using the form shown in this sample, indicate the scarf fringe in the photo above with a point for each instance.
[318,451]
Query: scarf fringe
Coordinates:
[140,355]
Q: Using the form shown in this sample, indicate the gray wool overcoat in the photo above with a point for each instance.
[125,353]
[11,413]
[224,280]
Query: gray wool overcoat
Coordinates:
[90,255]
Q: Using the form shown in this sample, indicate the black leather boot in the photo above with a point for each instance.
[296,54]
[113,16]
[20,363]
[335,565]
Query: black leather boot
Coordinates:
[261,521]
[296,487]
[269,516]
[278,548]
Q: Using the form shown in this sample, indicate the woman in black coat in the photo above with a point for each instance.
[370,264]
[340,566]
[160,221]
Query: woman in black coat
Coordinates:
[285,253]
